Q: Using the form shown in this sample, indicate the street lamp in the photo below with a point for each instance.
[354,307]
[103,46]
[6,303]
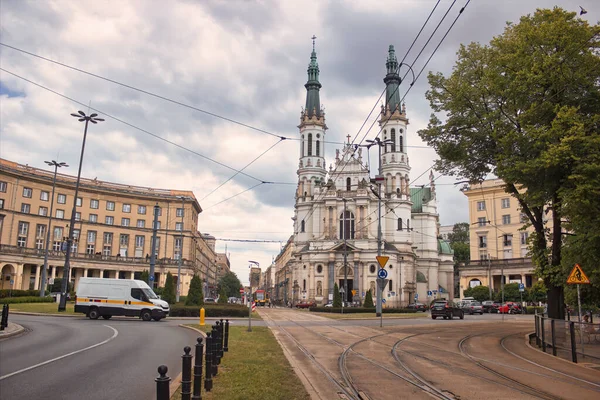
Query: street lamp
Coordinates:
[182,198]
[56,165]
[93,118]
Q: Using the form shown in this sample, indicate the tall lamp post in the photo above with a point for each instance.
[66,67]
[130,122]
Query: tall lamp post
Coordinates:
[56,165]
[182,198]
[81,117]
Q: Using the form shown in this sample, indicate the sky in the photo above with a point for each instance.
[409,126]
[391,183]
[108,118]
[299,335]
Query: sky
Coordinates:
[244,61]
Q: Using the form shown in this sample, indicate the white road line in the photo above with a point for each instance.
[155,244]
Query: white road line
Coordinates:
[64,355]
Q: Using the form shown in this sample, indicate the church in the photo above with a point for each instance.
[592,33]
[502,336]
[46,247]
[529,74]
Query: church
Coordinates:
[337,210]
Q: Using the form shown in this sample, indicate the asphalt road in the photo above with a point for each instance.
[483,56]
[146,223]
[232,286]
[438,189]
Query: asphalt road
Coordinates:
[114,359]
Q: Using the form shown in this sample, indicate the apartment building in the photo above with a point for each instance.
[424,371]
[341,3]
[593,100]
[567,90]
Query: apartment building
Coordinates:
[113,230]
[498,239]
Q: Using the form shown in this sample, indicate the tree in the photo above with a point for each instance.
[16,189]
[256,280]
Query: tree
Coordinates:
[223,296]
[231,284]
[337,297]
[536,293]
[169,289]
[195,296]
[511,293]
[369,300]
[145,276]
[479,293]
[515,108]
[459,242]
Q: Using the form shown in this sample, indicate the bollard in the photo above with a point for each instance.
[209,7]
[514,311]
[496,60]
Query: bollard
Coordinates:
[202,316]
[221,340]
[208,367]
[2,318]
[215,353]
[186,374]
[573,346]
[553,337]
[197,395]
[162,384]
[226,338]
[537,330]
[218,342]
[543,336]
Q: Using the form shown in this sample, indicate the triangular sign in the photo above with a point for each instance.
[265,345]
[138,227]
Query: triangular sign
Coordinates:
[381,283]
[382,260]
[577,276]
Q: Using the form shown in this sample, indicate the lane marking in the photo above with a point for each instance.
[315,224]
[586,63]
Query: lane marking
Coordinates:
[64,355]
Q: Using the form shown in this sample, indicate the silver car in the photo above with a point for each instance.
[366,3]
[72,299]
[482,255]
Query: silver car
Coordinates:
[473,307]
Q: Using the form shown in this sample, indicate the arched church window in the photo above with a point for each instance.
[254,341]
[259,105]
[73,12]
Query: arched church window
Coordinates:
[348,184]
[347,225]
[401,139]
[408,224]
[319,269]
[304,284]
[310,144]
[372,268]
[302,147]
[399,224]
[302,226]
[318,144]
[393,139]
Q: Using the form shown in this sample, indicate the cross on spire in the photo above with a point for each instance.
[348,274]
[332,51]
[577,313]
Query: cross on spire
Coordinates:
[348,138]
[313,39]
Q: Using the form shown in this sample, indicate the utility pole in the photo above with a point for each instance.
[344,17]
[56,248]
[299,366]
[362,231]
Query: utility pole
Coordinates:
[345,257]
[490,275]
[153,245]
[180,251]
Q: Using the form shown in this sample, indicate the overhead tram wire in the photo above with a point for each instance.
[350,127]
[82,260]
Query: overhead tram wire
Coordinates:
[235,195]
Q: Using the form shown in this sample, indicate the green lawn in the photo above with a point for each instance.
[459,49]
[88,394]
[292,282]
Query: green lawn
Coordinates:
[254,368]
[44,308]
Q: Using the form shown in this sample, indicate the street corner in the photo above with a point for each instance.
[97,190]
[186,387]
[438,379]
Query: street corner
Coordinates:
[11,330]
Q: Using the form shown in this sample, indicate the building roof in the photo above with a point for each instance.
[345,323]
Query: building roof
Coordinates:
[444,247]
[419,196]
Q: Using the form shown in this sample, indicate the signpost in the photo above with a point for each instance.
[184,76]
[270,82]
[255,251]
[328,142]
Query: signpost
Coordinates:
[382,274]
[577,276]
[521,290]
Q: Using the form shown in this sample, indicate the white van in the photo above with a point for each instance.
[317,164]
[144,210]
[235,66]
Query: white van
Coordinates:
[107,297]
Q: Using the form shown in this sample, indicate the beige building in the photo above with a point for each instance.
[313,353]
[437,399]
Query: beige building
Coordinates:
[113,230]
[498,242]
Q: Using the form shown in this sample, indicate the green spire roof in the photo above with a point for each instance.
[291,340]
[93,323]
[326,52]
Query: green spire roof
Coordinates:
[392,80]
[313,103]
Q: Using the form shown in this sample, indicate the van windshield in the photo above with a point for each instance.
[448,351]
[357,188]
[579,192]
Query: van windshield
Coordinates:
[149,294]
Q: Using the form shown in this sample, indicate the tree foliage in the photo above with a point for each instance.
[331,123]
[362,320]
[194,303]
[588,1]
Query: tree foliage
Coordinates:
[337,297]
[369,300]
[479,293]
[525,108]
[195,296]
[223,296]
[145,276]
[511,293]
[536,293]
[168,293]
[231,284]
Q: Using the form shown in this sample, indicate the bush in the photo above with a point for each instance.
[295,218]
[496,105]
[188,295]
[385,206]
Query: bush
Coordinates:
[226,310]
[168,294]
[360,310]
[369,300]
[27,299]
[195,295]
[18,293]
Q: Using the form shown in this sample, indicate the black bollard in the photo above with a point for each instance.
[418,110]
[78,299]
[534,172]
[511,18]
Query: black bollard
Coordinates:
[2,318]
[186,374]
[197,395]
[162,384]
[221,339]
[215,352]
[219,354]
[226,337]
[208,367]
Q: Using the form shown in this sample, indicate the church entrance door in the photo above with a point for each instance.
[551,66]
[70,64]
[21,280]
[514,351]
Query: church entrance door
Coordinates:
[348,296]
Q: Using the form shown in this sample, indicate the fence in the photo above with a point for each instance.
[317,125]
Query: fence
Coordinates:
[572,340]
[217,343]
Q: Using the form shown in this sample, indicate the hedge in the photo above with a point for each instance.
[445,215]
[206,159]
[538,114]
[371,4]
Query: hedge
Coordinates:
[226,310]
[18,293]
[28,299]
[361,310]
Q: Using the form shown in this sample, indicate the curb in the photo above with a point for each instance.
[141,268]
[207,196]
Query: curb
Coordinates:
[44,314]
[19,330]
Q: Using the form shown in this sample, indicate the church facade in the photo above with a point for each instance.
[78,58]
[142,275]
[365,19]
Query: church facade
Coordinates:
[335,238]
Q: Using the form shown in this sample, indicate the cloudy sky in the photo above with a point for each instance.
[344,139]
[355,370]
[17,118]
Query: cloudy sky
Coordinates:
[242,60]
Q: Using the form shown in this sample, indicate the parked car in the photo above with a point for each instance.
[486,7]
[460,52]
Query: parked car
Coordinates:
[305,304]
[474,307]
[330,304]
[510,308]
[446,309]
[209,300]
[487,306]
[417,306]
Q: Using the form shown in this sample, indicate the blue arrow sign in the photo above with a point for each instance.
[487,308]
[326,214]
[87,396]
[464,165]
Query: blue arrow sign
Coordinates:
[416,296]
[429,293]
[151,278]
[382,273]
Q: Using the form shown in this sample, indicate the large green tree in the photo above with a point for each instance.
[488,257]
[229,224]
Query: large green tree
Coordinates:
[516,108]
[168,293]
[231,284]
[479,293]
[337,297]
[459,242]
[195,296]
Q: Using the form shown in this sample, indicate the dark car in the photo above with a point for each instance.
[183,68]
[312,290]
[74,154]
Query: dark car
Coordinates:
[305,304]
[487,306]
[446,309]
[417,306]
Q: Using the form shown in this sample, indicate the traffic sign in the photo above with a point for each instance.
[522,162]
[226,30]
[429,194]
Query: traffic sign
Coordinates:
[381,283]
[383,301]
[382,260]
[354,292]
[382,273]
[441,289]
[150,278]
[521,287]
[242,290]
[577,276]
[12,282]
[417,296]
[429,293]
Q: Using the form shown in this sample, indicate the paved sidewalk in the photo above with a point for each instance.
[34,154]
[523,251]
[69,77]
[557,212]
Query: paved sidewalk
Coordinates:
[11,330]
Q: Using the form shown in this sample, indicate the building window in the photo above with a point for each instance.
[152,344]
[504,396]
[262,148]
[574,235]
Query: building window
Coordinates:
[61,199]
[60,214]
[401,140]
[347,231]
[524,237]
[44,196]
[127,208]
[110,205]
[399,224]
[91,237]
[39,244]
[506,220]
[393,139]
[482,241]
[408,224]
[57,233]
[1,204]
[43,211]
[25,208]
[75,234]
[318,148]
[177,252]
[302,226]
[483,255]
[178,226]
[108,238]
[319,269]
[481,206]
[77,216]
[57,245]
[482,221]
[90,249]
[124,240]
[93,218]
[79,202]
[505,203]
[141,223]
[124,221]
[139,245]
[94,204]
[109,220]
[142,210]
[390,286]
[372,268]
[157,246]
[27,192]
[302,147]
[179,212]
[2,187]
[22,236]
[40,231]
[507,240]
[310,144]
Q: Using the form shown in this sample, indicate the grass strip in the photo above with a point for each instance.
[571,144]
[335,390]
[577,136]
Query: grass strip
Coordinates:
[43,308]
[253,368]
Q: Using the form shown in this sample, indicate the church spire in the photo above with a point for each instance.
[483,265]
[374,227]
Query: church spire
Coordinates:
[392,80]
[313,104]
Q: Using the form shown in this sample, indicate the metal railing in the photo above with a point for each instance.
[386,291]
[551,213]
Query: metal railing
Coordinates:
[571,340]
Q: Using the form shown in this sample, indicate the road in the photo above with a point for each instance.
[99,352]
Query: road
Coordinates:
[479,357]
[122,365]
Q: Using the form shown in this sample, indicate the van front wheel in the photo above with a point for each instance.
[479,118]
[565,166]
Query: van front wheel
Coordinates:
[146,315]
[93,313]
[106,316]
